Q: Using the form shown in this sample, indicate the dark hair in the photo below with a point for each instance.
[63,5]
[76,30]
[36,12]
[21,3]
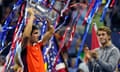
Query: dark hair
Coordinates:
[34,27]
[106,29]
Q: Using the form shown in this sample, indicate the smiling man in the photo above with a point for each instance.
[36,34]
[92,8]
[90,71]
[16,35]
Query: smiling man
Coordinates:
[105,58]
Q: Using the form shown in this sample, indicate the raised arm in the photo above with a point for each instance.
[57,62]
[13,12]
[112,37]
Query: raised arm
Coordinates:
[26,35]
[48,34]
[28,27]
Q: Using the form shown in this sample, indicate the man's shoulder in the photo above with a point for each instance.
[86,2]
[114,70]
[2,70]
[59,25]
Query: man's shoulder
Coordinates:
[114,48]
[40,42]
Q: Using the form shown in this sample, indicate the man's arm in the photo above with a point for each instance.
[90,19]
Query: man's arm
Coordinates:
[48,34]
[28,28]
[112,62]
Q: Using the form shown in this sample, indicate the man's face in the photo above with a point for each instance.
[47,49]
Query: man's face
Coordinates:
[103,37]
[35,35]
